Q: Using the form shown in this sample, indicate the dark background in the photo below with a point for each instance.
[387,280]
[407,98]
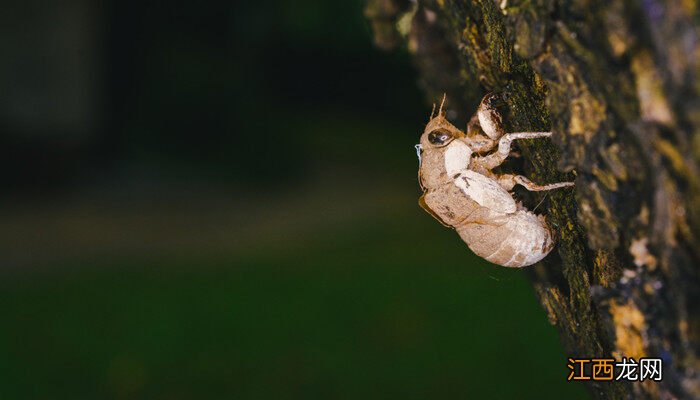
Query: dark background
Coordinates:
[219,200]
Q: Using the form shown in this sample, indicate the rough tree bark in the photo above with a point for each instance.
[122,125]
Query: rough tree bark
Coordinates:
[616,82]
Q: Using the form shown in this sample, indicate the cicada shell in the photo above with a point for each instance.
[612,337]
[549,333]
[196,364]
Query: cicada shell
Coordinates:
[462,192]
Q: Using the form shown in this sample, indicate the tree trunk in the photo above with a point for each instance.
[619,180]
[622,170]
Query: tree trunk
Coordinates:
[616,82]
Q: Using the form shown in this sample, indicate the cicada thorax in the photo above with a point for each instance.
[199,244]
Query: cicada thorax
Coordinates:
[432,172]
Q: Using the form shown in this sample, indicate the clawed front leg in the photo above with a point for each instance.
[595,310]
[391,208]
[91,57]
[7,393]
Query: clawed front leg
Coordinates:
[494,160]
[508,181]
[490,118]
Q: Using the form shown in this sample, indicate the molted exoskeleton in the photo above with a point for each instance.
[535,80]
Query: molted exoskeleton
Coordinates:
[462,192]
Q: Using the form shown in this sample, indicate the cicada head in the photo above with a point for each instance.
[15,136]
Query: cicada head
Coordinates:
[438,136]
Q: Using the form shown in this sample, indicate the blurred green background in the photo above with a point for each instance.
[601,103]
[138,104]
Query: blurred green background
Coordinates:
[219,200]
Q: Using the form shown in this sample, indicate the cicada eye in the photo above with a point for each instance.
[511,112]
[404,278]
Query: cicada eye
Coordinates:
[439,138]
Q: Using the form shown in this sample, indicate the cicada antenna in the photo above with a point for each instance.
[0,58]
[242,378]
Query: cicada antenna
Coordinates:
[444,96]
